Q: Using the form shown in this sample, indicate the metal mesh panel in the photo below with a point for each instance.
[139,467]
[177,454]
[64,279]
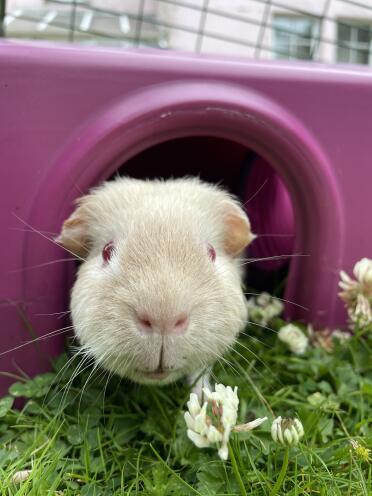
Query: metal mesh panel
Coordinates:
[318,30]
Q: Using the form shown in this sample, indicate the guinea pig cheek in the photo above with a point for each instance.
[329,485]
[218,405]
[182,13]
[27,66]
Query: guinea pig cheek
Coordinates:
[224,314]
[91,304]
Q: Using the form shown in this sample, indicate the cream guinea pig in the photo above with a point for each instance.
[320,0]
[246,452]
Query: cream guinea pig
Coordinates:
[158,295]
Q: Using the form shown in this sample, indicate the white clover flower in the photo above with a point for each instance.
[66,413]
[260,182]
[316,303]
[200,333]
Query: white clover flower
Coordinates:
[196,421]
[263,299]
[357,293]
[216,419]
[250,425]
[362,312]
[287,431]
[215,427]
[264,308]
[363,271]
[346,283]
[325,338]
[341,336]
[20,476]
[294,338]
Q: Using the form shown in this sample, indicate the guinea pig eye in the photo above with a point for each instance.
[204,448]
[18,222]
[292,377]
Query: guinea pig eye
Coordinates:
[107,251]
[211,253]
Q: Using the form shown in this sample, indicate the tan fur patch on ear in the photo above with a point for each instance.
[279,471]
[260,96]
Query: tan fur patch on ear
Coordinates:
[74,234]
[238,232]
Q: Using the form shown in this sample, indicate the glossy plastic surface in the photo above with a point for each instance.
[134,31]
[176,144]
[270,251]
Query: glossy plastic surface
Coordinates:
[70,117]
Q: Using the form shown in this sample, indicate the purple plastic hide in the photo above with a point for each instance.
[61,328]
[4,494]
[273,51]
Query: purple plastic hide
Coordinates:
[269,208]
[70,117]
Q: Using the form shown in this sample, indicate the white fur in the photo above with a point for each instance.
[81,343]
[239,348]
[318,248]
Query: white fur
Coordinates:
[160,266]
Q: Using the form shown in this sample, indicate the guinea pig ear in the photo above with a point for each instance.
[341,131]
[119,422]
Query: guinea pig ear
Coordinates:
[74,235]
[238,232]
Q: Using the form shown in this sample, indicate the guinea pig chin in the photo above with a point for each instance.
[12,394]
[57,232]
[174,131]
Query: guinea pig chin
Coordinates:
[150,359]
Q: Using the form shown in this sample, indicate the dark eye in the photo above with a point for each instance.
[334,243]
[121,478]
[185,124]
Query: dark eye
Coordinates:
[107,251]
[211,253]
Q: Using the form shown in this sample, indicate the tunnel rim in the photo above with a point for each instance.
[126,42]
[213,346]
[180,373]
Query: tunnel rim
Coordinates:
[179,110]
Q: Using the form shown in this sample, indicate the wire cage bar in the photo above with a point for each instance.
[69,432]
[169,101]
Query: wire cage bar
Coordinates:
[322,31]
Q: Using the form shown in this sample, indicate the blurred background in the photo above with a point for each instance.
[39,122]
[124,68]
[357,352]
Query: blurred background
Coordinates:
[330,31]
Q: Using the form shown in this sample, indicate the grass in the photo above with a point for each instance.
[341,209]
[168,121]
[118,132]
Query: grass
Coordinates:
[80,435]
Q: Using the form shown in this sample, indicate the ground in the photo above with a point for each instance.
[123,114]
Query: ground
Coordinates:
[80,435]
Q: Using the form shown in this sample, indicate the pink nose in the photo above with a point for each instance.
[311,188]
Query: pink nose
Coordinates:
[177,324]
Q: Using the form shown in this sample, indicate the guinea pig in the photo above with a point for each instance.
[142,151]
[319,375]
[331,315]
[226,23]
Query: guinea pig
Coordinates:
[158,294]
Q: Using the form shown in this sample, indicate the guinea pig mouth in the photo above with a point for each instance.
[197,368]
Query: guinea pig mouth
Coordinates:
[160,373]
[156,375]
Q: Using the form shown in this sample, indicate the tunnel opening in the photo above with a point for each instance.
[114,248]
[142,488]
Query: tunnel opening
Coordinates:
[245,174]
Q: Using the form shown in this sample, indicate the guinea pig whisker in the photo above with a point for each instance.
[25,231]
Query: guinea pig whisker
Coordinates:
[130,360]
[254,338]
[102,373]
[36,231]
[58,378]
[81,367]
[280,299]
[257,192]
[7,302]
[229,364]
[51,334]
[20,229]
[87,363]
[218,357]
[77,368]
[248,261]
[223,362]
[60,314]
[255,356]
[275,298]
[110,374]
[213,353]
[234,350]
[274,235]
[85,385]
[226,364]
[45,264]
[213,375]
[250,322]
[281,255]
[126,360]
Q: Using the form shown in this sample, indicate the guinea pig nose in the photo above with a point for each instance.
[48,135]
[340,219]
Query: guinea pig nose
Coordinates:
[177,324]
[181,323]
[145,324]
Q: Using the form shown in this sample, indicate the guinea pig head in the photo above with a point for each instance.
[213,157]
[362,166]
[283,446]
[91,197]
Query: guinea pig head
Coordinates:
[158,293]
